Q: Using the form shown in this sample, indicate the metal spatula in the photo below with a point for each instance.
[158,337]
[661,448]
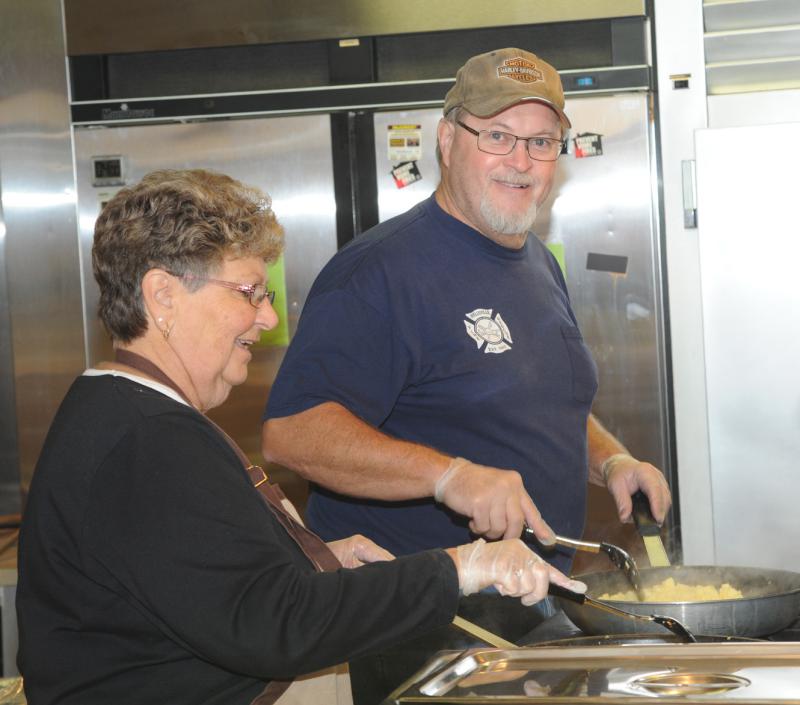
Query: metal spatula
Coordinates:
[649,530]
[619,556]
[669,623]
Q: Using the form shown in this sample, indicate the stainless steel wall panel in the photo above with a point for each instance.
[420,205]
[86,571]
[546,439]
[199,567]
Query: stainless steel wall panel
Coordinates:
[678,36]
[749,251]
[112,26]
[9,454]
[41,248]
[287,157]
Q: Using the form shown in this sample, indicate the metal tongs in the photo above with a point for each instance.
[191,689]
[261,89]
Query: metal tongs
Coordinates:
[619,557]
[669,623]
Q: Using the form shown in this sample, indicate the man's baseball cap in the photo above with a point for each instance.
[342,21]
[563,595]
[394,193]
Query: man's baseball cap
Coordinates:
[490,83]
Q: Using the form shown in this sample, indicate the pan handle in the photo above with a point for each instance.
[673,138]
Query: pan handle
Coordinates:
[567,594]
[581,599]
[669,623]
[588,546]
[645,522]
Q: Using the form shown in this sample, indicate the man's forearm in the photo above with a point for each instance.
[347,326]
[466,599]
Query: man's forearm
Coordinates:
[612,466]
[329,445]
[602,445]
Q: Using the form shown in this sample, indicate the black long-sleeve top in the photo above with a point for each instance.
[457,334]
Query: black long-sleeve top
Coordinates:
[151,571]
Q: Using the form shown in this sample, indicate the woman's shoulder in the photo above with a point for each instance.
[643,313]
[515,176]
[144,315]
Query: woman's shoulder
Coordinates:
[99,407]
[126,396]
[102,414]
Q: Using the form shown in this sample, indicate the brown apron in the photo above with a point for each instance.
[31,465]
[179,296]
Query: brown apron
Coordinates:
[314,548]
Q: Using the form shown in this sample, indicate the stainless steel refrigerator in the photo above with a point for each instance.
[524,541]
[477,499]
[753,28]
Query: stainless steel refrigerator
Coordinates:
[600,221]
[287,157]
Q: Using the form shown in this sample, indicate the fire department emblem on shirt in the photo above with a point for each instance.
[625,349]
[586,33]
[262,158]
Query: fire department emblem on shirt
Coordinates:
[487,330]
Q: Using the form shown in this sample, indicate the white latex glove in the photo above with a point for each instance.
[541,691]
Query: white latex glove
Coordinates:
[357,550]
[624,475]
[511,567]
[496,501]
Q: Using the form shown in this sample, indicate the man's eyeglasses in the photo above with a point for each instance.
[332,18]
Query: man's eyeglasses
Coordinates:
[541,149]
[256,293]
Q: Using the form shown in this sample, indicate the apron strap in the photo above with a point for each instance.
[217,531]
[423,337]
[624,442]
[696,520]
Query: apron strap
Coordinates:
[271,693]
[314,548]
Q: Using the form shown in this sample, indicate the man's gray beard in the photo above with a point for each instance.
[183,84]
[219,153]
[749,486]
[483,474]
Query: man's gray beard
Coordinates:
[507,223]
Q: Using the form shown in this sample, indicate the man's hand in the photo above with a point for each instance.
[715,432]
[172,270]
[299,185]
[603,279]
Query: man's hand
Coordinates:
[357,550]
[624,475]
[495,501]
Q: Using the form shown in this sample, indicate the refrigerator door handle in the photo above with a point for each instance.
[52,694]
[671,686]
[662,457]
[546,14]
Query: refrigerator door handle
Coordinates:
[689,194]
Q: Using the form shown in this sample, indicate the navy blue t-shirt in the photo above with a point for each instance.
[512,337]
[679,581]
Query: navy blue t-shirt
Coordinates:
[433,333]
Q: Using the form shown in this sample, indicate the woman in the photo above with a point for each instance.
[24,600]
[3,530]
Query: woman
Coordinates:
[151,568]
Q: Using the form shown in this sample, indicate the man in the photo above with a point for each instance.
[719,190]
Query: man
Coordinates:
[438,384]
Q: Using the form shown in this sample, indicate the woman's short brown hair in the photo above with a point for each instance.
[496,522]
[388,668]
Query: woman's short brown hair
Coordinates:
[187,222]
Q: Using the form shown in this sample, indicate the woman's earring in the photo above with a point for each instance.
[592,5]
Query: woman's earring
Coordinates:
[165,330]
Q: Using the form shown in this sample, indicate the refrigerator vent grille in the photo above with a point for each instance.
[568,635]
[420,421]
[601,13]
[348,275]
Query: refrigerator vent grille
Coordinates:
[751,45]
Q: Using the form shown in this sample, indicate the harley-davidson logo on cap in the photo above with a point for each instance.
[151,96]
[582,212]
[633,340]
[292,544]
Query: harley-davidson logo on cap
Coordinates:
[481,87]
[519,69]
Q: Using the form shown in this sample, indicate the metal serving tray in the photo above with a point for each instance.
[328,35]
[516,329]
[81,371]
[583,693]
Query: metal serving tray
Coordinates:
[752,673]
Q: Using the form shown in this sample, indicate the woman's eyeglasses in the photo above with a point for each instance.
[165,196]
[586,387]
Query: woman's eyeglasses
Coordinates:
[256,293]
